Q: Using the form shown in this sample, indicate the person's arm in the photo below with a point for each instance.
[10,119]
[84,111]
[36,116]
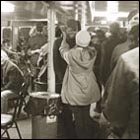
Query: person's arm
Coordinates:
[43,52]
[64,49]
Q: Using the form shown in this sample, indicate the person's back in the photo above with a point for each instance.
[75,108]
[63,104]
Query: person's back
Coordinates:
[80,77]
[79,85]
[108,48]
[12,76]
[122,96]
[120,49]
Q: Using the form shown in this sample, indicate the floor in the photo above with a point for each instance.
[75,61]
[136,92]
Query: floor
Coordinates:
[25,126]
[41,131]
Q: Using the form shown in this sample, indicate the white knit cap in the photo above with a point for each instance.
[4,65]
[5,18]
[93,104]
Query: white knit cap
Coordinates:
[83,38]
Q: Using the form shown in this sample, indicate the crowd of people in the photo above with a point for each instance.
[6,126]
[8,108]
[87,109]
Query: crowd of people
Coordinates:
[89,67]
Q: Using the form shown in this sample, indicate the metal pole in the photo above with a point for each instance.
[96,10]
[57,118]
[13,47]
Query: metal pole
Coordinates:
[15,35]
[51,38]
[83,18]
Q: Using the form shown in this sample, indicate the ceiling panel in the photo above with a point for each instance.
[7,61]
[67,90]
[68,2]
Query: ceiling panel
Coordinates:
[127,6]
[100,5]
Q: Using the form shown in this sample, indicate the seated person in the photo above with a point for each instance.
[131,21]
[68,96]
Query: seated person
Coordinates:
[12,79]
[13,55]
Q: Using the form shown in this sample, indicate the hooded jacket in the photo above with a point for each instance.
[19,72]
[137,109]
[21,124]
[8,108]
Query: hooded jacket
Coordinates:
[79,84]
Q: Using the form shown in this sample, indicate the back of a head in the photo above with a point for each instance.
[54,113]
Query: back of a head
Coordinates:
[5,41]
[114,27]
[100,34]
[83,38]
[4,57]
[39,27]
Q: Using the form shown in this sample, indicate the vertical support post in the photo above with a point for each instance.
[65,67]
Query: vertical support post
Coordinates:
[83,17]
[51,38]
[92,9]
[15,35]
[76,12]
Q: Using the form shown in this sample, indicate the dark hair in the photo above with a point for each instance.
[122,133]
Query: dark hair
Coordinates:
[6,41]
[135,31]
[58,32]
[115,25]
[79,25]
[39,26]
[100,33]
[74,25]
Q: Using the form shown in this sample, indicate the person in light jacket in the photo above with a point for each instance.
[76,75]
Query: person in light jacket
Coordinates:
[80,87]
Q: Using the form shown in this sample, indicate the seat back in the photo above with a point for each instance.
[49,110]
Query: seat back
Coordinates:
[22,94]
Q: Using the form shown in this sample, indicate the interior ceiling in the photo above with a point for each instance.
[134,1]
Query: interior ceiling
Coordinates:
[36,10]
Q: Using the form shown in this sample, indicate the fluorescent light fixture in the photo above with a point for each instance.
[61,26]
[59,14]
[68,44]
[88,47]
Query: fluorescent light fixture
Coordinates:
[66,2]
[67,7]
[76,14]
[105,14]
[112,6]
[92,9]
[7,7]
[112,17]
[112,10]
[103,22]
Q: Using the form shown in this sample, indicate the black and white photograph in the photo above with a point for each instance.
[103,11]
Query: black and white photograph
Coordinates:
[69,69]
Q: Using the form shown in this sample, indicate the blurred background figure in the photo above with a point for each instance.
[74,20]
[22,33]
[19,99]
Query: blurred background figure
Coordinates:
[121,98]
[131,43]
[12,80]
[33,49]
[133,19]
[80,76]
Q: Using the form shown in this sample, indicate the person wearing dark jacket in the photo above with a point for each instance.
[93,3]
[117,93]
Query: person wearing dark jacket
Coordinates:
[107,51]
[59,64]
[12,80]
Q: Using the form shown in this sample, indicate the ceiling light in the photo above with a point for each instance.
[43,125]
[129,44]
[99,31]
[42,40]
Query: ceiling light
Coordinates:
[67,7]
[7,7]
